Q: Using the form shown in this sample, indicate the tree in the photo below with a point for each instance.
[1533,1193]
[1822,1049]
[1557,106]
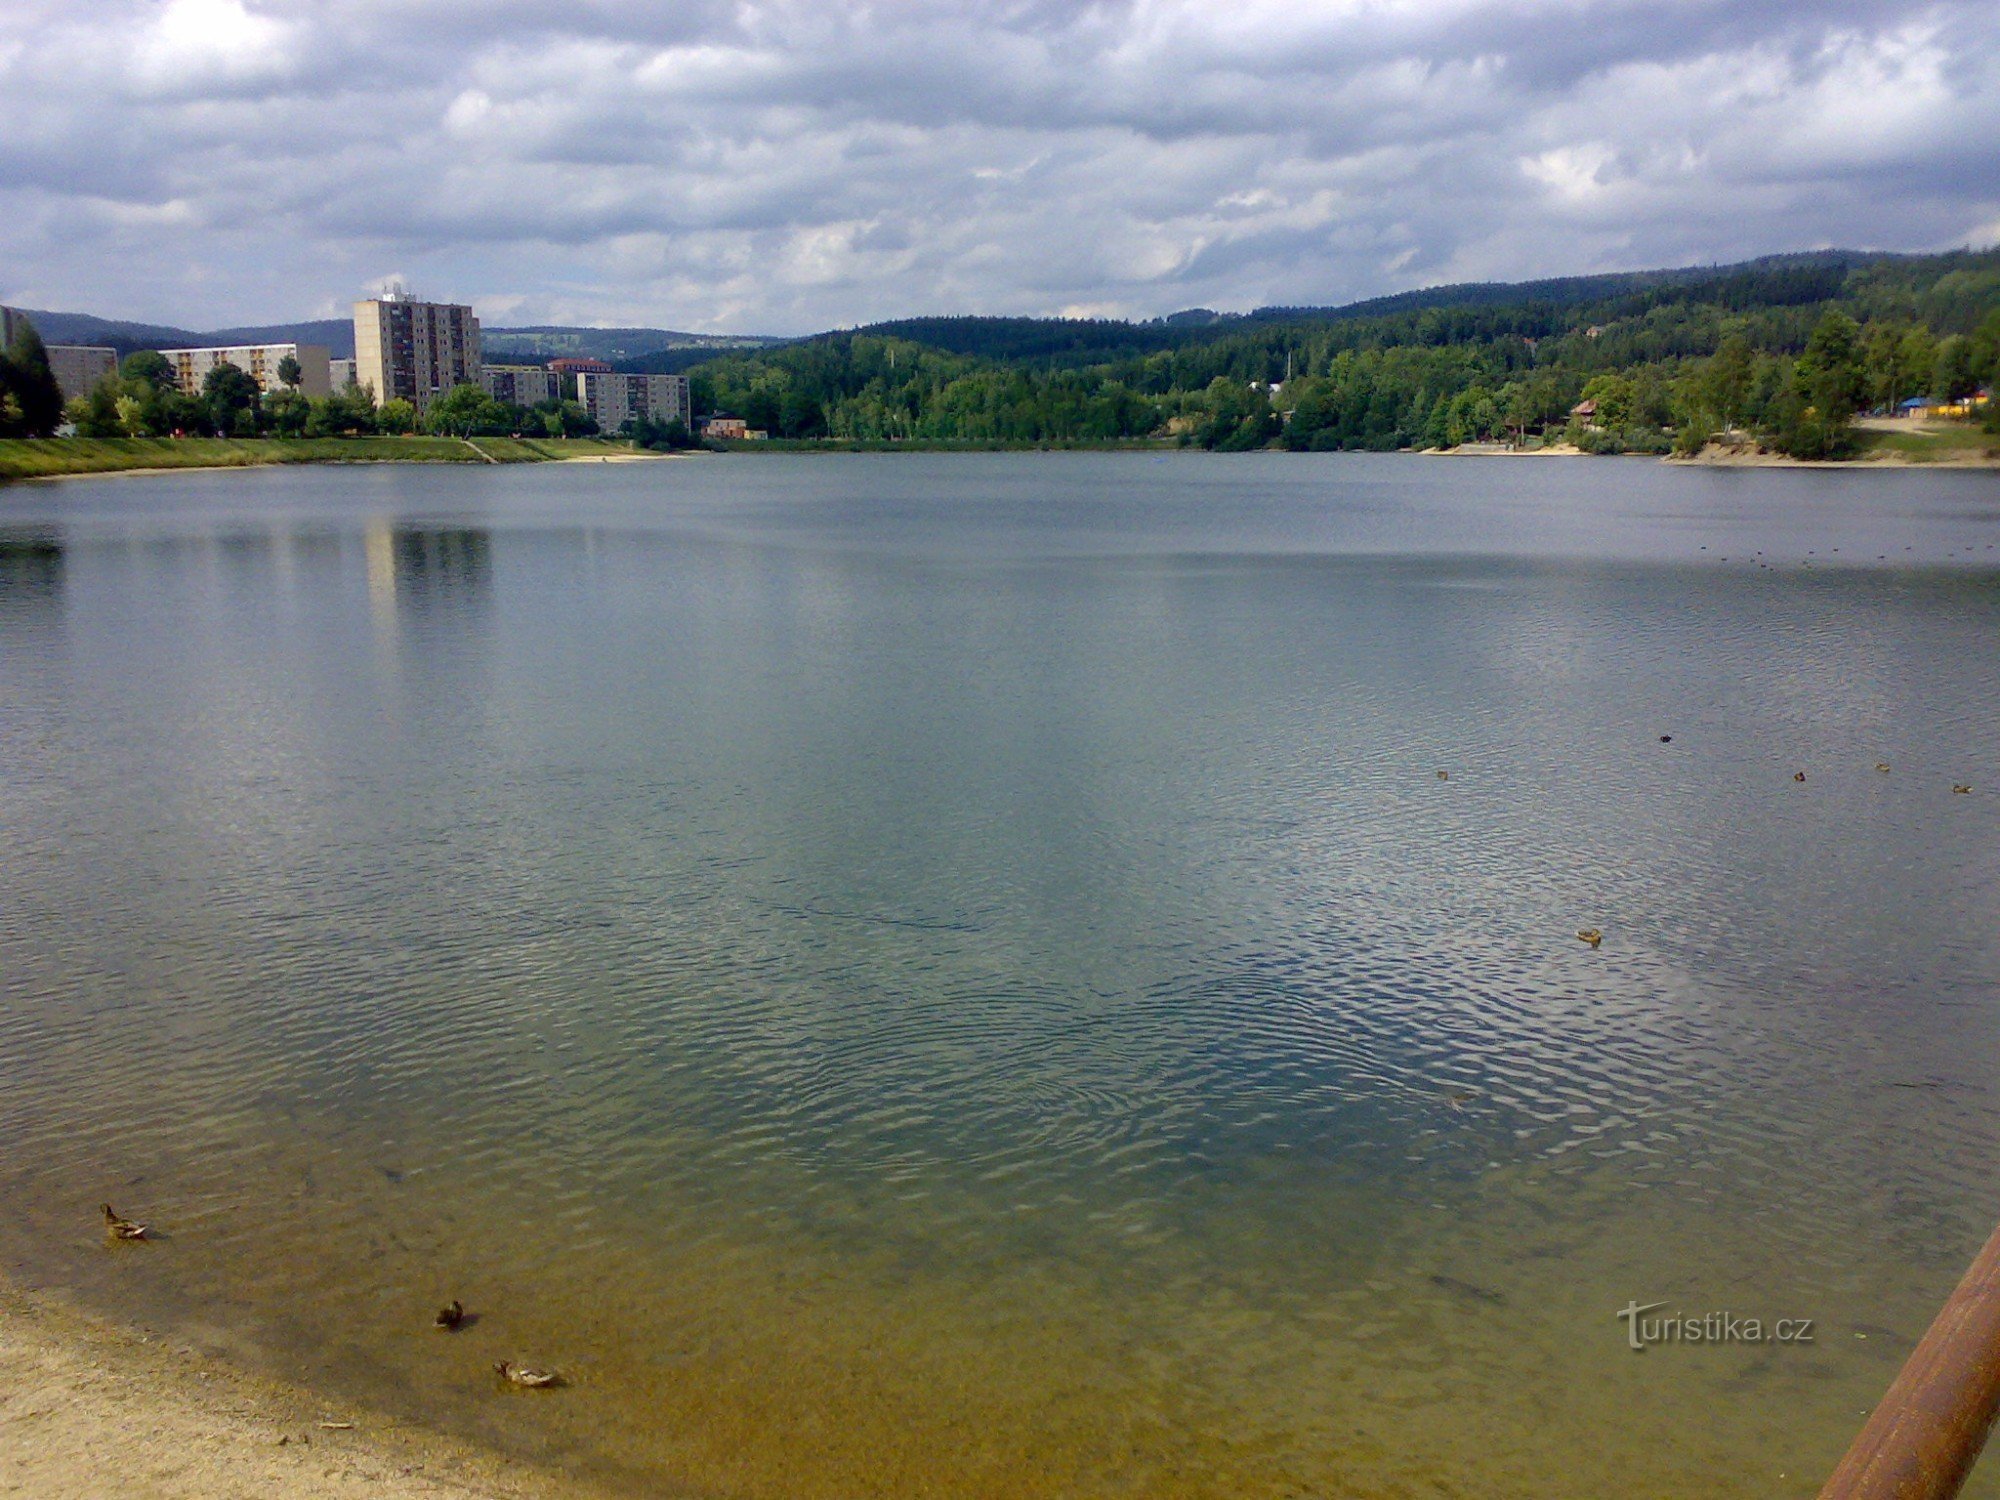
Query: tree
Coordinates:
[1615,400]
[1952,375]
[150,367]
[1724,387]
[231,398]
[396,416]
[96,415]
[1830,372]
[286,412]
[289,372]
[465,409]
[26,376]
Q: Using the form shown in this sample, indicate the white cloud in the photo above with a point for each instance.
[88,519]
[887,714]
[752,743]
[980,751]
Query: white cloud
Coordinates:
[780,165]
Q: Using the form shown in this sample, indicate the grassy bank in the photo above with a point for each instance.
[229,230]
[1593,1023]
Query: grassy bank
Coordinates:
[1930,443]
[41,458]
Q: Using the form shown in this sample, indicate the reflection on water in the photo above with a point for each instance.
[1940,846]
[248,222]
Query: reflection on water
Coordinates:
[894,978]
[31,569]
[424,566]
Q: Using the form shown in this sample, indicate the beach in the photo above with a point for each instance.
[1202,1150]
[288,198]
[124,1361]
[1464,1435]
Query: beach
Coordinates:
[88,1410]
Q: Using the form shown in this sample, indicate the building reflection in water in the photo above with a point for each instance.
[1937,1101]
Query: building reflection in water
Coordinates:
[31,574]
[424,567]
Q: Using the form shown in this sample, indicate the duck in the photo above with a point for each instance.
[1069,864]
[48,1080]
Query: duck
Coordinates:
[1798,776]
[1444,776]
[1590,935]
[450,1315]
[522,1375]
[1960,787]
[1666,739]
[121,1229]
[1882,766]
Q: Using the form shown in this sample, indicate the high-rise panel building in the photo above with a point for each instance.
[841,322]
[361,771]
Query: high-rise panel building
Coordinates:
[12,319]
[80,368]
[520,385]
[613,400]
[414,351]
[259,361]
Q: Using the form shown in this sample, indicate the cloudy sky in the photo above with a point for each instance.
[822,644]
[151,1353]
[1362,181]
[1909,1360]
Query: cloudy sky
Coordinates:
[785,167]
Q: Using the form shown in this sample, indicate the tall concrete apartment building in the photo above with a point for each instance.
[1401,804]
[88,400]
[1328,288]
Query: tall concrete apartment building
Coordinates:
[522,385]
[12,319]
[614,400]
[259,361]
[80,368]
[414,350]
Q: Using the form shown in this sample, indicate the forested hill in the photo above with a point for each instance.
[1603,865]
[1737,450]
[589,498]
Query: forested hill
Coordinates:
[1671,352]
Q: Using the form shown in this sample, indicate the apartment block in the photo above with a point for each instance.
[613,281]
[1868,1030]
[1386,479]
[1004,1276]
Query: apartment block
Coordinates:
[80,368]
[613,400]
[415,351]
[259,361]
[340,373]
[522,385]
[12,319]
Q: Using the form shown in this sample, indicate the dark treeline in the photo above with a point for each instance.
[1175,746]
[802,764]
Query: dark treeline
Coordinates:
[1787,352]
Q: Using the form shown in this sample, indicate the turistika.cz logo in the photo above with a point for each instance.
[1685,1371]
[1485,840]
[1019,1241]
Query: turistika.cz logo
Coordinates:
[1642,1332]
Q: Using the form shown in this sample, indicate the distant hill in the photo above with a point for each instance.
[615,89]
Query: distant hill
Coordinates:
[531,344]
[617,345]
[1773,280]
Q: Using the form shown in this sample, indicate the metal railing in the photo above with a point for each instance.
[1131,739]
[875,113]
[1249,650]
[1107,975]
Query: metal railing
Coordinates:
[1925,1434]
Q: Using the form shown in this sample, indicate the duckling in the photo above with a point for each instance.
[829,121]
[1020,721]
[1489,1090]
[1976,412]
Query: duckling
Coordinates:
[1798,776]
[450,1315]
[1960,787]
[122,1229]
[521,1375]
[1591,936]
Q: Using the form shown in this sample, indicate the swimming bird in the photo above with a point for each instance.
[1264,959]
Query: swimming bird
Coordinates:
[1882,766]
[1798,776]
[1590,935]
[534,1380]
[122,1229]
[450,1315]
[1960,787]
[1444,776]
[1666,739]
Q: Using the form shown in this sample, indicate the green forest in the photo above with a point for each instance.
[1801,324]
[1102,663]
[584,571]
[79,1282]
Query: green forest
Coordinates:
[1783,352]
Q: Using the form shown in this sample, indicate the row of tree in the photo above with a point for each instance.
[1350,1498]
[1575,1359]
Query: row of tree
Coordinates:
[144,399]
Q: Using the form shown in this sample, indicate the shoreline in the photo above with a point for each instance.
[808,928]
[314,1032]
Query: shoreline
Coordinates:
[329,463]
[23,459]
[1961,459]
[91,1410]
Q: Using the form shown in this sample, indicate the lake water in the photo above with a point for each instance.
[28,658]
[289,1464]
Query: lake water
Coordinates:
[1016,975]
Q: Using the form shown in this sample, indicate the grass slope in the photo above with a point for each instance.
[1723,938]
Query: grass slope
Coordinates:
[40,458]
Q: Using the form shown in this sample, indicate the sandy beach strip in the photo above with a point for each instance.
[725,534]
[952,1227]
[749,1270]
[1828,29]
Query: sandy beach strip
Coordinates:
[89,1411]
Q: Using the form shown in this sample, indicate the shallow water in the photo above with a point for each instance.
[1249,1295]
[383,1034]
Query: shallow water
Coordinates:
[961,975]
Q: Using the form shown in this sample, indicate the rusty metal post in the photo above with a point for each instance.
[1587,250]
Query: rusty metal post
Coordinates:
[1926,1433]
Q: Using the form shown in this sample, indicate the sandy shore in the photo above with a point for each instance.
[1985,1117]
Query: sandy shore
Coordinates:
[89,1411]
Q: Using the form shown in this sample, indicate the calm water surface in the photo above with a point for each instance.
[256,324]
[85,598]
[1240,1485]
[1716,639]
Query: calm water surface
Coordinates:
[961,974]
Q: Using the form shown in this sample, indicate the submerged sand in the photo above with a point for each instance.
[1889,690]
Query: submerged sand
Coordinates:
[89,1411]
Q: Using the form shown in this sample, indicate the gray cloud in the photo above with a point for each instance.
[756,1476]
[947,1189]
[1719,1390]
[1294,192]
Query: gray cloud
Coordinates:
[789,166]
